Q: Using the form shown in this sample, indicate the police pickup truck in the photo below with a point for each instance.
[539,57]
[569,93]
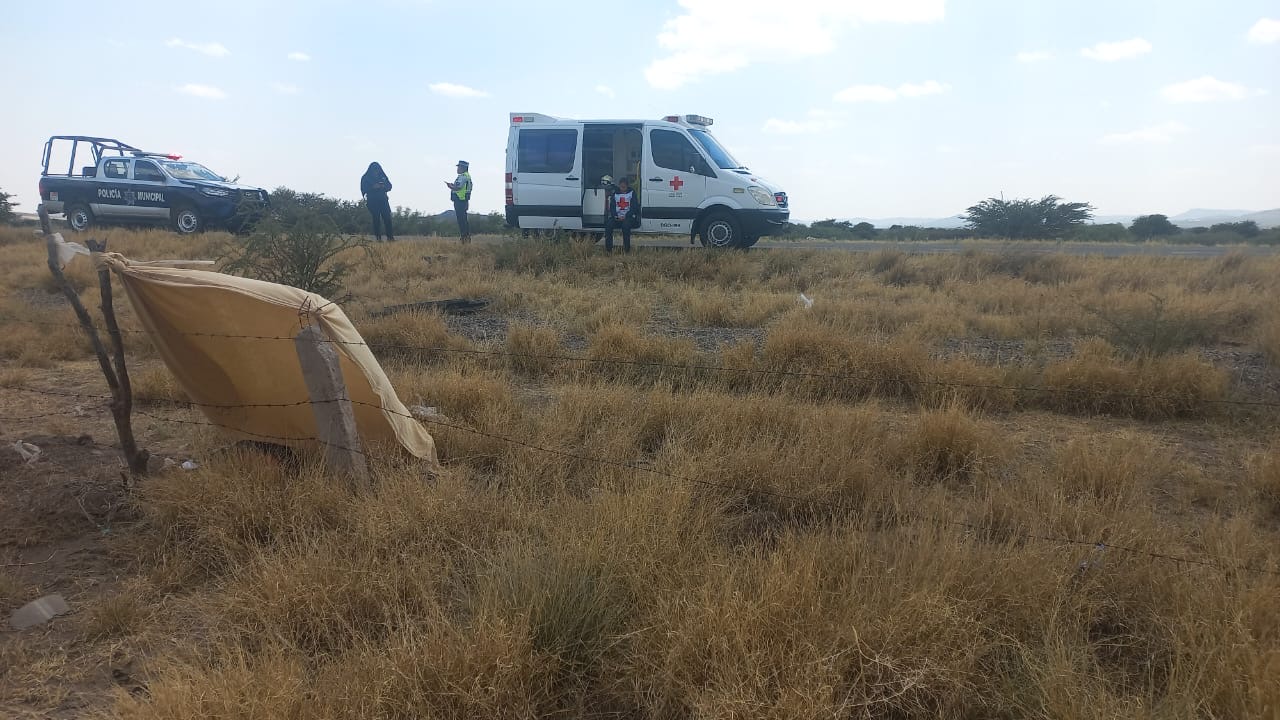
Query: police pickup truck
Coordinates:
[125,185]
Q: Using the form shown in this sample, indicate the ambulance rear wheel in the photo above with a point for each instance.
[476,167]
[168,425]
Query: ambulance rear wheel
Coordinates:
[187,220]
[79,218]
[720,231]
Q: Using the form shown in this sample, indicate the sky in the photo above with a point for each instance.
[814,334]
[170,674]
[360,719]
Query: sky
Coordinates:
[857,108]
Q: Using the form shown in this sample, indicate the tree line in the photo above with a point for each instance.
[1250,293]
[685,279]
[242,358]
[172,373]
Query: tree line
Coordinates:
[1049,218]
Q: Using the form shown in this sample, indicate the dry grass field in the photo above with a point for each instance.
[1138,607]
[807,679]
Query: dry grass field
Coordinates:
[857,509]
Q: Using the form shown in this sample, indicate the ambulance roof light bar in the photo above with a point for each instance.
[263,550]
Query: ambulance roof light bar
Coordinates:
[690,120]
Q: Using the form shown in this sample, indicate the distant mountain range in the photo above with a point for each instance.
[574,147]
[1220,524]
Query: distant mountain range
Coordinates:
[1197,217]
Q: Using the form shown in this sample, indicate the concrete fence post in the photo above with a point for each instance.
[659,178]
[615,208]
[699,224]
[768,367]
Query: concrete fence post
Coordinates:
[335,418]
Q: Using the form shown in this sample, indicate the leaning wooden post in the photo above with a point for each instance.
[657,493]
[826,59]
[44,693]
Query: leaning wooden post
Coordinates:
[335,418]
[117,377]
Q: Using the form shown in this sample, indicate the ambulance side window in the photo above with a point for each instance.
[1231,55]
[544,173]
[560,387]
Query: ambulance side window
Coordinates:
[147,171]
[547,151]
[116,169]
[673,151]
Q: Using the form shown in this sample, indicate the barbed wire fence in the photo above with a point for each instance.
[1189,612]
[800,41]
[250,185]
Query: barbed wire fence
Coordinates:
[896,515]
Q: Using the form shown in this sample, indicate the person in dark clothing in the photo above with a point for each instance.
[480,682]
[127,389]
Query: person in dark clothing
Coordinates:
[460,193]
[622,210]
[374,187]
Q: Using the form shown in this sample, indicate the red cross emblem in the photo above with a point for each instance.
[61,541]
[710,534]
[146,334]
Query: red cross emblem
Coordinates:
[676,183]
[623,204]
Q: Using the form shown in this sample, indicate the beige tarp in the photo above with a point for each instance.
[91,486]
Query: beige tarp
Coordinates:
[208,328]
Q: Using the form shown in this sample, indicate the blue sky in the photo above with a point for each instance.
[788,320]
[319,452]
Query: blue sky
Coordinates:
[868,108]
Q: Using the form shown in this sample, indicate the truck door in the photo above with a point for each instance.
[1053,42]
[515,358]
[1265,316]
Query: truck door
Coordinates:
[675,182]
[547,182]
[107,199]
[149,192]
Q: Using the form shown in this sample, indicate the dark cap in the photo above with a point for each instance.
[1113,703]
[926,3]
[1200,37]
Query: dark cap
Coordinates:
[464,163]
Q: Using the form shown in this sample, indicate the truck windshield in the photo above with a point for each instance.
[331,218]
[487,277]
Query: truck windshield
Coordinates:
[719,155]
[191,171]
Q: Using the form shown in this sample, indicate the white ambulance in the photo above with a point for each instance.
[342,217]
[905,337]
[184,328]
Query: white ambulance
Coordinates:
[685,181]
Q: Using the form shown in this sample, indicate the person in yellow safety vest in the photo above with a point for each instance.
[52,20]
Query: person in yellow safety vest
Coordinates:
[460,193]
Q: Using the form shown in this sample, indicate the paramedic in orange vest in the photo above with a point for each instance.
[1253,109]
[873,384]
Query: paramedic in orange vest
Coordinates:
[460,193]
[622,210]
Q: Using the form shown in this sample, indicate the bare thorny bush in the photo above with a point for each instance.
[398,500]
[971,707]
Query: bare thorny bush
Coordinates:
[310,254]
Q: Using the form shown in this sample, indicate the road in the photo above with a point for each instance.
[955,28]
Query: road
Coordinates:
[667,242]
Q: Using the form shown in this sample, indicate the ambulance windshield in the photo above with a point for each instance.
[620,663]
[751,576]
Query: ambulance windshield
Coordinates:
[192,171]
[719,155]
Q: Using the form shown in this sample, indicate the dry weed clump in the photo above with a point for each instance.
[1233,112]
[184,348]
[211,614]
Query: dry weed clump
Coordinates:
[1095,381]
[116,616]
[1265,478]
[1119,471]
[949,447]
[531,349]
[157,386]
[1268,339]
[645,358]
[419,337]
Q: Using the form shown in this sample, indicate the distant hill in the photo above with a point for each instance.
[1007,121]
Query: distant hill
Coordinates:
[1203,214]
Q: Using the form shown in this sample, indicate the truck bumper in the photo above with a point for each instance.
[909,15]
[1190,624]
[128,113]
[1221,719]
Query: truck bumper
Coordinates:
[758,223]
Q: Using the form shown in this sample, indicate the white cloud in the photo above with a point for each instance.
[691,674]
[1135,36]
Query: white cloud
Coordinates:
[299,56]
[1113,51]
[212,49]
[1207,89]
[1163,133]
[880,93]
[286,89]
[1034,56]
[1272,149]
[1265,32]
[457,91]
[606,91]
[818,121]
[712,37]
[208,92]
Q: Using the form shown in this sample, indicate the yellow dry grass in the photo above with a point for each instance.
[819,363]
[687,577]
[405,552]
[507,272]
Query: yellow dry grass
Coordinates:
[767,511]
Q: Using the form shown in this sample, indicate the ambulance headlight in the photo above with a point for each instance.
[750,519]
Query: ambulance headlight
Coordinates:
[215,192]
[762,196]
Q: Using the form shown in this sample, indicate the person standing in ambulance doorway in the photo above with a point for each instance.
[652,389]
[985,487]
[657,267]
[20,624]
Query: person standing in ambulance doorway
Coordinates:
[622,210]
[460,193]
[374,187]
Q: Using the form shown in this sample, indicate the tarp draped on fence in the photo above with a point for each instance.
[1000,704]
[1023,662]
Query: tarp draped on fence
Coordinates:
[209,329]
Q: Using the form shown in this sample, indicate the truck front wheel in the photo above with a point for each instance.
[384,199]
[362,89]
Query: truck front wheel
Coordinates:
[79,217]
[720,230]
[187,220]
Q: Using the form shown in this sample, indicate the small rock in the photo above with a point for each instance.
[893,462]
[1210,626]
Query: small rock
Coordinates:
[38,612]
[190,465]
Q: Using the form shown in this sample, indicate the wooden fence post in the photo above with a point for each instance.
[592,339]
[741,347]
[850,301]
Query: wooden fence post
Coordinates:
[118,376]
[335,419]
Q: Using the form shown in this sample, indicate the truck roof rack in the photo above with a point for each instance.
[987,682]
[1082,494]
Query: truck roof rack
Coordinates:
[99,146]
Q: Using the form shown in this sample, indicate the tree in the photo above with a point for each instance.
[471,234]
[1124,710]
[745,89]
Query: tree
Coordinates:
[1149,226]
[864,230]
[1045,218]
[7,215]
[1246,228]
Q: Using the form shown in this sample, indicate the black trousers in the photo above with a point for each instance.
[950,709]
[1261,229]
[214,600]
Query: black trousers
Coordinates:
[610,222]
[460,211]
[381,212]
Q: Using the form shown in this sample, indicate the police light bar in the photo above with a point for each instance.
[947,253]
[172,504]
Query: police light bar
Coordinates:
[698,120]
[521,118]
[174,156]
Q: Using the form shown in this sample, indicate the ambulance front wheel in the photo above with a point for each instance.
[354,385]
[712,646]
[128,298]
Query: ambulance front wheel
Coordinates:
[721,231]
[187,220]
[79,217]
